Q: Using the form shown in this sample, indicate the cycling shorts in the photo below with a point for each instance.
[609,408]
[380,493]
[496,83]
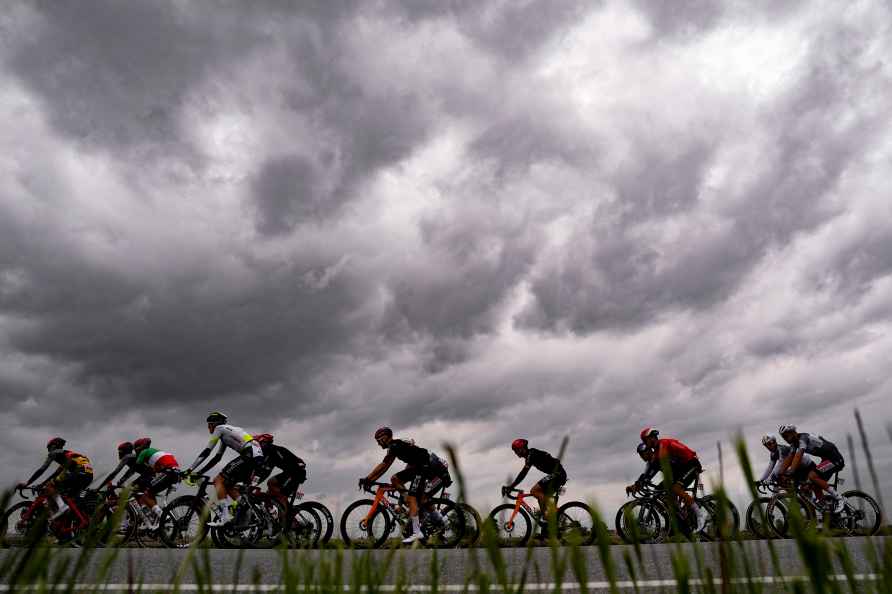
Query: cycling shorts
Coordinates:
[552,483]
[238,470]
[685,473]
[831,463]
[162,481]
[800,475]
[289,481]
[72,483]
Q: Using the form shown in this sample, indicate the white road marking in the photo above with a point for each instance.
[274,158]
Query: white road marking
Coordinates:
[532,587]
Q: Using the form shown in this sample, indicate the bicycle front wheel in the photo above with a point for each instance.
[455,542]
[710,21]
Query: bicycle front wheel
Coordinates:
[576,524]
[184,522]
[642,521]
[724,519]
[861,515]
[362,529]
[304,527]
[760,523]
[18,528]
[511,529]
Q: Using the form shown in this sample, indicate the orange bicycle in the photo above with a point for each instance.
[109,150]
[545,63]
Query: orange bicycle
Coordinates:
[368,523]
[514,521]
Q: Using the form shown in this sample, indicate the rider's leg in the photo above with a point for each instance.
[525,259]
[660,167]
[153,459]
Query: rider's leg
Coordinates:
[539,493]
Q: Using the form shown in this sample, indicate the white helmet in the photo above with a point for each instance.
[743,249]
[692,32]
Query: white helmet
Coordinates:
[786,429]
[767,439]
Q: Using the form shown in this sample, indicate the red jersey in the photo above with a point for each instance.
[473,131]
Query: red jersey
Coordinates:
[676,451]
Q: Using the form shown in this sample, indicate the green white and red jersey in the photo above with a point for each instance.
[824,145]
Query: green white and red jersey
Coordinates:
[157,460]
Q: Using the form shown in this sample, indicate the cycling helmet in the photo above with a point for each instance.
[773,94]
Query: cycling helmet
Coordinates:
[642,449]
[56,443]
[382,431]
[142,443]
[217,417]
[786,429]
[767,439]
[649,432]
[124,448]
[519,444]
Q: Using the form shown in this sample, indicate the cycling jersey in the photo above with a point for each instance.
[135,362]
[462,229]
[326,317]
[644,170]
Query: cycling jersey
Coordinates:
[235,438]
[70,461]
[676,451]
[157,460]
[776,460]
[682,460]
[408,453]
[816,446]
[129,461]
[543,462]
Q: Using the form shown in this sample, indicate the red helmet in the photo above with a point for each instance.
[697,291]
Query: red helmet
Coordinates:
[519,444]
[125,447]
[142,443]
[382,431]
[55,443]
[649,432]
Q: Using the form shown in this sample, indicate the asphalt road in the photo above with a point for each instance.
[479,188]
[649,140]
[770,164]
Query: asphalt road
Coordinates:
[255,570]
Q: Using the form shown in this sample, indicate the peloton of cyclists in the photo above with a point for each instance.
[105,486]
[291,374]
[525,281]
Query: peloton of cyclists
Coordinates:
[683,465]
[798,466]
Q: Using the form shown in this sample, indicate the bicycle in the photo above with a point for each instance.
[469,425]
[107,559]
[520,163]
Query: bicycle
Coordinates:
[859,516]
[654,514]
[326,528]
[368,523]
[31,519]
[184,520]
[757,522]
[473,521]
[575,520]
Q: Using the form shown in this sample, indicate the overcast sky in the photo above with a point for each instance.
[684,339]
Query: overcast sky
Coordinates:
[471,221]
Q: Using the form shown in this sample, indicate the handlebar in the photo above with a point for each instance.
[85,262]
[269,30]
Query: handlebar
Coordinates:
[368,486]
[21,490]
[513,494]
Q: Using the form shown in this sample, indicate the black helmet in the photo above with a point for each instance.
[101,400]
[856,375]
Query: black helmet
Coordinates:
[217,417]
[55,443]
[382,431]
[642,449]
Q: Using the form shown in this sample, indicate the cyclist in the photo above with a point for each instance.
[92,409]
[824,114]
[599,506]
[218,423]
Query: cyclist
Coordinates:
[548,486]
[683,464]
[160,472]
[831,461]
[73,475]
[416,474]
[236,471]
[294,469]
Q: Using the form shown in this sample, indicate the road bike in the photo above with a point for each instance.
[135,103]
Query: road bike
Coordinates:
[860,514]
[654,514]
[368,523]
[295,522]
[473,521]
[32,519]
[515,521]
[184,520]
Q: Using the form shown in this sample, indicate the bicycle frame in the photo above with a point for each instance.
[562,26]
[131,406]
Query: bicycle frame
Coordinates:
[41,501]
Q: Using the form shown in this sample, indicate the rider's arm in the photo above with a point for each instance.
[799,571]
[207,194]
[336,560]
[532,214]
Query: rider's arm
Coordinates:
[111,476]
[40,471]
[215,439]
[214,460]
[792,461]
[768,471]
[521,476]
[381,468]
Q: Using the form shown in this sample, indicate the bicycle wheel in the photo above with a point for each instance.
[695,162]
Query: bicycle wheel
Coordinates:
[325,517]
[275,523]
[446,531]
[861,515]
[362,529]
[246,529]
[759,524]
[576,524]
[642,521]
[723,518]
[304,527]
[16,530]
[112,526]
[778,517]
[473,523]
[184,522]
[511,529]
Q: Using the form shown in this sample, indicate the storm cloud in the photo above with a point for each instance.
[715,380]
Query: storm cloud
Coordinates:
[470,221]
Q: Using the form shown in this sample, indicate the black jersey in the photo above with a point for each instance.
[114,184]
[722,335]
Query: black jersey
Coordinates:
[542,461]
[408,452]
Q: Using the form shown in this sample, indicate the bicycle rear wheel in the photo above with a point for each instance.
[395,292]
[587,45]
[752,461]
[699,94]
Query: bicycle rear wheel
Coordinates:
[576,524]
[325,517]
[449,532]
[861,515]
[510,529]
[362,529]
[724,519]
[184,522]
[304,527]
[473,524]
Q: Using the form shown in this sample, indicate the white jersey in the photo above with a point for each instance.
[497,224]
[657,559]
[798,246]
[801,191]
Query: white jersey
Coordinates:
[232,437]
